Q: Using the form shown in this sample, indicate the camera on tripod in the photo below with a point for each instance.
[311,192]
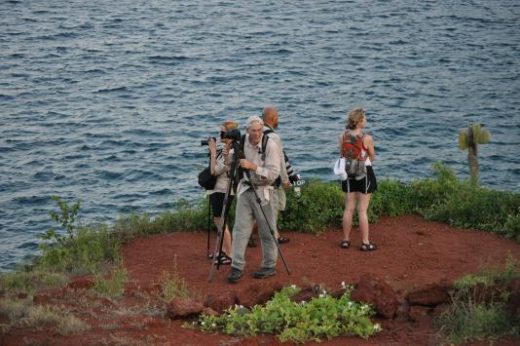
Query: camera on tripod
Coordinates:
[231,134]
[234,135]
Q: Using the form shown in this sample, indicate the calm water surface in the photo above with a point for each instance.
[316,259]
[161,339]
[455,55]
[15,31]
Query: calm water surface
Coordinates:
[107,101]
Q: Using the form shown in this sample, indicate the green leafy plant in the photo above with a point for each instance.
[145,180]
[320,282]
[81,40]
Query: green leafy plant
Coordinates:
[321,317]
[319,207]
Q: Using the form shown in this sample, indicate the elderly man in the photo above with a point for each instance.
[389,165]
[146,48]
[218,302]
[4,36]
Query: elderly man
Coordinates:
[263,167]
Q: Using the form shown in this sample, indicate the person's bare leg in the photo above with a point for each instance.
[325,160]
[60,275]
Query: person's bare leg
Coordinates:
[226,244]
[350,207]
[364,200]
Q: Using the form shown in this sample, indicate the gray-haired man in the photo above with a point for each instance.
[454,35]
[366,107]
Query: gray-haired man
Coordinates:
[264,168]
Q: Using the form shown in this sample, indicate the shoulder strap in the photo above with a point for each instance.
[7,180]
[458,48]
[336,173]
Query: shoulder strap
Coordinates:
[242,143]
[264,144]
[268,131]
[265,138]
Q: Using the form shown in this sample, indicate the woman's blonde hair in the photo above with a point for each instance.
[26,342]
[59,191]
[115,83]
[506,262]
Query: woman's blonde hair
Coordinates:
[229,125]
[354,117]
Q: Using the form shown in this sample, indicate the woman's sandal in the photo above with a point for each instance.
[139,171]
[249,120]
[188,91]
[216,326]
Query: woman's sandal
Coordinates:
[345,244]
[223,259]
[368,247]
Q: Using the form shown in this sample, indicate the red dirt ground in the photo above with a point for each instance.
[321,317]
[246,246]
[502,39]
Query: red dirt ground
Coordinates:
[413,253]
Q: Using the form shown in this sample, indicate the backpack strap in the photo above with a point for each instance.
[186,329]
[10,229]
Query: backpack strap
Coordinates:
[264,144]
[265,138]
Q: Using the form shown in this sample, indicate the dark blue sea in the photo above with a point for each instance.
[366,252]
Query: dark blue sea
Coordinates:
[106,101]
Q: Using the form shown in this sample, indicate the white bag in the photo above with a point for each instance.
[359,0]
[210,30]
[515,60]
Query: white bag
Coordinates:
[339,169]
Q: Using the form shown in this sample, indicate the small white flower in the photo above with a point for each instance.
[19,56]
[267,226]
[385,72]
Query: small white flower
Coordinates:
[293,286]
[349,304]
[202,323]
[213,325]
[343,285]
[303,302]
[321,295]
[377,327]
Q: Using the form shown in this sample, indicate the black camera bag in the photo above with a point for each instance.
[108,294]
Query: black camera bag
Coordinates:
[206,179]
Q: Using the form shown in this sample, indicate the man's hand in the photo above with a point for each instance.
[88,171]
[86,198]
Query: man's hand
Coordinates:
[248,165]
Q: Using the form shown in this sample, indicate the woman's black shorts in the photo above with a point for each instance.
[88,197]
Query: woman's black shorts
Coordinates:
[366,185]
[217,202]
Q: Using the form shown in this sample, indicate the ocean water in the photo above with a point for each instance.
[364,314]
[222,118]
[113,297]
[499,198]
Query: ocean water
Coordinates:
[106,101]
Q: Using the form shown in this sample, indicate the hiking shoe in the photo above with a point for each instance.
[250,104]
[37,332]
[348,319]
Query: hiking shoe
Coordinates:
[252,241]
[234,275]
[264,273]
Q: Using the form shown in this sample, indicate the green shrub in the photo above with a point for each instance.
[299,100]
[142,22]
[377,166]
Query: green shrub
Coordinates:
[319,207]
[44,316]
[471,206]
[477,307]
[173,286]
[30,281]
[322,317]
[433,191]
[392,198]
[185,217]
[82,250]
[113,286]
[466,321]
[85,252]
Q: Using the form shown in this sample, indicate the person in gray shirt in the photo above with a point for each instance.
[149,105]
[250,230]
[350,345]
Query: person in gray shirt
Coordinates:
[263,168]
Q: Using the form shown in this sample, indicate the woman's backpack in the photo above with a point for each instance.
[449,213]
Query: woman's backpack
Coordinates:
[352,149]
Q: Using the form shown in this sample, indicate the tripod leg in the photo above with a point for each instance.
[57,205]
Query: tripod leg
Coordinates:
[209,226]
[271,230]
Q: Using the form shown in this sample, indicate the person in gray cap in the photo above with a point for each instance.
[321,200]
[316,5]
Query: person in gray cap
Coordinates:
[262,162]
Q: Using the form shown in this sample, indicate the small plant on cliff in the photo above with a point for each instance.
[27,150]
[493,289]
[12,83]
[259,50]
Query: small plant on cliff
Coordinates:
[173,285]
[67,220]
[321,317]
[478,307]
[80,249]
[113,285]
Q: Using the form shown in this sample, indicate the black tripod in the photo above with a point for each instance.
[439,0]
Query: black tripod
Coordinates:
[225,211]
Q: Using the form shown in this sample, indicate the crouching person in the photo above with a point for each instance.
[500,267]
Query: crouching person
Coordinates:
[262,162]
